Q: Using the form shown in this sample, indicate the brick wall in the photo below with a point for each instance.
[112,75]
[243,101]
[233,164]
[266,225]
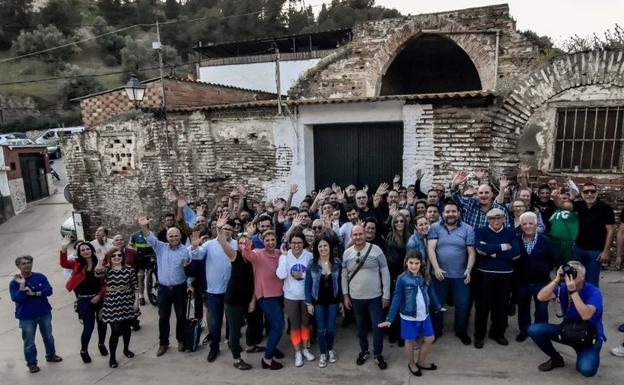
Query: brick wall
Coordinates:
[178,93]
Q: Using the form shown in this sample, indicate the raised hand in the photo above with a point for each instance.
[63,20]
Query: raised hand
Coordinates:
[241,190]
[251,228]
[195,239]
[339,194]
[222,219]
[181,201]
[365,188]
[382,189]
[200,210]
[411,197]
[293,189]
[503,182]
[65,242]
[19,279]
[143,220]
[283,249]
[459,178]
[419,174]
[297,220]
[524,168]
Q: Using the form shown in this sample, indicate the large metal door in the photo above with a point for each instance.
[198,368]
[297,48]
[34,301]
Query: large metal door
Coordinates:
[358,153]
[34,176]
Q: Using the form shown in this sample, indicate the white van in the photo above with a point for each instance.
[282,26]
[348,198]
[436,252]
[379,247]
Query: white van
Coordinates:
[52,137]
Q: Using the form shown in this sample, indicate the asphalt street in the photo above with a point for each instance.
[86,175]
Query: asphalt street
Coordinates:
[36,232]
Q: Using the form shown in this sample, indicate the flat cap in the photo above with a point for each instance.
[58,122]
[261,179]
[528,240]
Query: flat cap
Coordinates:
[495,213]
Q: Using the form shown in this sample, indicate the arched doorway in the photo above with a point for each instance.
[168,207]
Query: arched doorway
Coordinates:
[430,64]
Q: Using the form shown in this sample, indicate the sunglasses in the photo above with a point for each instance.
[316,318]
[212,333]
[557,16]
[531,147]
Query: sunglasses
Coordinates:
[317,227]
[400,221]
[589,191]
[357,259]
[118,255]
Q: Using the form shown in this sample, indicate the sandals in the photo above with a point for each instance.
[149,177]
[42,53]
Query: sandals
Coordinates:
[430,367]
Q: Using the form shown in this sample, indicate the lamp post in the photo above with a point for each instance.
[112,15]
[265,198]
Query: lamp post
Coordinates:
[135,91]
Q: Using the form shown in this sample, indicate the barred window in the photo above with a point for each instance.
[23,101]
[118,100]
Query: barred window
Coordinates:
[589,139]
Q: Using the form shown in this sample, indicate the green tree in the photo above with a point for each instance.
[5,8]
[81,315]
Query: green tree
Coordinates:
[138,56]
[172,9]
[112,43]
[15,15]
[43,38]
[64,14]
[611,40]
[76,85]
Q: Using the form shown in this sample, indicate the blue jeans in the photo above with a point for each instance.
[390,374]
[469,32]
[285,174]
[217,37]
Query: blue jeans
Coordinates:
[461,299]
[525,292]
[88,313]
[588,259]
[587,360]
[325,316]
[29,328]
[215,303]
[364,308]
[272,309]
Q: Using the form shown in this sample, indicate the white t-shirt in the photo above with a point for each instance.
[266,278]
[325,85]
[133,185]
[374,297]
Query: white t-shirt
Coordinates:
[294,289]
[101,250]
[421,309]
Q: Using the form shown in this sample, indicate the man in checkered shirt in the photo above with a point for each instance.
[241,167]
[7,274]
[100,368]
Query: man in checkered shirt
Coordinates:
[474,209]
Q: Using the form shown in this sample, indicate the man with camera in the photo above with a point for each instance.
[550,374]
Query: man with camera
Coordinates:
[581,327]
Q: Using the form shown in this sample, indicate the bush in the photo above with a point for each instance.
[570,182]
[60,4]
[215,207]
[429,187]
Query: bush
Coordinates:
[75,86]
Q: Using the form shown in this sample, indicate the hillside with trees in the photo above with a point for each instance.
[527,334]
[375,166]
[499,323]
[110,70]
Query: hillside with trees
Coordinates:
[103,41]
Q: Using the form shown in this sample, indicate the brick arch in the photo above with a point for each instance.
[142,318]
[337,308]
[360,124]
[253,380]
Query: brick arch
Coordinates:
[561,74]
[482,56]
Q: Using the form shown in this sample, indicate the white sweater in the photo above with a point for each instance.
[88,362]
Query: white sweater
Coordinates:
[293,288]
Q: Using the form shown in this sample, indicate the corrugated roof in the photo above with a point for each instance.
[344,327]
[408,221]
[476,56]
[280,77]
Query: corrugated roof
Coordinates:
[206,84]
[271,103]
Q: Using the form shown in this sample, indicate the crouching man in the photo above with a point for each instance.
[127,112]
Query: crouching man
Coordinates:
[581,302]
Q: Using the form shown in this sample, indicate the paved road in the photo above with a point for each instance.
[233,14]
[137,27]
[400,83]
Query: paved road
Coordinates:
[36,232]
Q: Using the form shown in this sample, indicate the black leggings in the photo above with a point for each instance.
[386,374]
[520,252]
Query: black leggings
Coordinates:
[119,329]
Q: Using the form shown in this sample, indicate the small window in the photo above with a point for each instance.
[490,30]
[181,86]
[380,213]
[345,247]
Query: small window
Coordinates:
[589,139]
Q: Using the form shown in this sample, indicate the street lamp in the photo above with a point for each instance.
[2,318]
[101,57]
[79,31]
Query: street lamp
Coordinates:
[135,91]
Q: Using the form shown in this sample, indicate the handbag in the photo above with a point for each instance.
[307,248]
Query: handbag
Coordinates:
[577,333]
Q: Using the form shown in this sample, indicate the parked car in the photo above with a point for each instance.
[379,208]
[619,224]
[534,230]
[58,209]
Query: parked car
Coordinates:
[53,136]
[68,228]
[19,135]
[16,141]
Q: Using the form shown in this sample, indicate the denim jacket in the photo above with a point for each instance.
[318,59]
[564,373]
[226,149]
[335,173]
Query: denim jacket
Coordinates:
[404,299]
[313,279]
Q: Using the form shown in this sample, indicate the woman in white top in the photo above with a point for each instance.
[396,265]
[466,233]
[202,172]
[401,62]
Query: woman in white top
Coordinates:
[292,268]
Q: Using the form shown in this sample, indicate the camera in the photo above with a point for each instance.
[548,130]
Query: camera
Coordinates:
[569,270]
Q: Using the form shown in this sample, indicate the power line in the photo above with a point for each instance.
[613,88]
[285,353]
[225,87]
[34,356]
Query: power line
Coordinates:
[127,28]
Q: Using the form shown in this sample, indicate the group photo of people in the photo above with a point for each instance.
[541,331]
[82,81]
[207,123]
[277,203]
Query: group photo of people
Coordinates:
[395,263]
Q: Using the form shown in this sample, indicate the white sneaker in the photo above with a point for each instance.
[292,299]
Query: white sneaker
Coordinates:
[298,360]
[308,355]
[333,357]
[618,352]
[323,361]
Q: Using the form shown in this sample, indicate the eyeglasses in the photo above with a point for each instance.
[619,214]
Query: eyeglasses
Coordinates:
[317,227]
[296,243]
[589,191]
[400,221]
[227,229]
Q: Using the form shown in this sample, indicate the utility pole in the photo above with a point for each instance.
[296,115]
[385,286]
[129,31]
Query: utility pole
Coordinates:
[157,45]
[277,80]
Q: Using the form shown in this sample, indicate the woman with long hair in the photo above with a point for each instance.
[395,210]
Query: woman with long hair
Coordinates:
[121,301]
[268,289]
[396,242]
[89,291]
[292,268]
[322,296]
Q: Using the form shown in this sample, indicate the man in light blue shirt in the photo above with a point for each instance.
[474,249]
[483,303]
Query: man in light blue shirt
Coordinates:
[171,259]
[451,252]
[218,253]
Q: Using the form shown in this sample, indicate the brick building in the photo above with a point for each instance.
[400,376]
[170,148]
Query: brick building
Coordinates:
[440,92]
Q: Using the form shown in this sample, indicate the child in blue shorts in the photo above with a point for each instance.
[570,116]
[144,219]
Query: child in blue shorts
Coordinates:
[412,297]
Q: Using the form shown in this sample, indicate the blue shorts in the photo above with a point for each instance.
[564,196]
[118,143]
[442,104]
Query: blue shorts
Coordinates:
[410,330]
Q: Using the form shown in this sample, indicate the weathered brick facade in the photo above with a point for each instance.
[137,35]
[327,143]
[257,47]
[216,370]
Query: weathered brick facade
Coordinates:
[124,163]
[97,108]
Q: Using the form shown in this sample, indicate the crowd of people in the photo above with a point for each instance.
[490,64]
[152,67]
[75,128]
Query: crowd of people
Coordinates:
[390,259]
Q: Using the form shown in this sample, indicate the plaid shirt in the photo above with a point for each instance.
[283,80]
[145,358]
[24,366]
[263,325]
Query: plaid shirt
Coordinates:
[529,244]
[472,213]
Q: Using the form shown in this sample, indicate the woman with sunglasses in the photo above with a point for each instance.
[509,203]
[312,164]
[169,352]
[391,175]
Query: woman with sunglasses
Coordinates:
[121,302]
[396,242]
[89,291]
[268,289]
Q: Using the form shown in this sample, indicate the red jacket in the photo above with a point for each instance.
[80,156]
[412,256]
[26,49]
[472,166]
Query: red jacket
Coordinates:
[78,274]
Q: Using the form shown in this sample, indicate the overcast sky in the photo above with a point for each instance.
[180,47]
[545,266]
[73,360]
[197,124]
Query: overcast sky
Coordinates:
[558,19]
